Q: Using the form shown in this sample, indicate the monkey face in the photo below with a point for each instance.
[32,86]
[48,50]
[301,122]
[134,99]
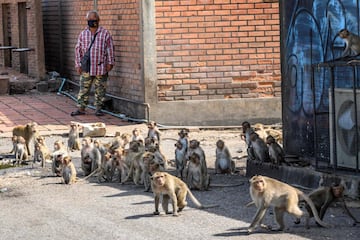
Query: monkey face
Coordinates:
[66,161]
[220,144]
[194,144]
[158,178]
[258,183]
[344,33]
[337,191]
[195,158]
[32,126]
[178,145]
[270,139]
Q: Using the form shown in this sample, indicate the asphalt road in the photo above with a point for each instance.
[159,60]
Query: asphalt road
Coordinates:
[36,205]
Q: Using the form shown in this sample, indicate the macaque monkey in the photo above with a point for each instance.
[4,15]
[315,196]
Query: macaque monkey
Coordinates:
[115,143]
[323,197]
[90,156]
[158,157]
[41,151]
[194,146]
[68,170]
[126,139]
[149,142]
[276,152]
[74,140]
[118,161]
[266,192]
[246,131]
[196,177]
[98,144]
[58,154]
[27,131]
[149,166]
[107,168]
[133,160]
[180,159]
[20,150]
[223,162]
[153,132]
[352,43]
[171,187]
[136,135]
[261,151]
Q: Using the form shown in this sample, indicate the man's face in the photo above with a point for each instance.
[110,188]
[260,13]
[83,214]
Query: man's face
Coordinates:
[93,21]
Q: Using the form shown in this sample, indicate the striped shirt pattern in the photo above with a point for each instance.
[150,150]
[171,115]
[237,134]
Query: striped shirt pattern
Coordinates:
[101,53]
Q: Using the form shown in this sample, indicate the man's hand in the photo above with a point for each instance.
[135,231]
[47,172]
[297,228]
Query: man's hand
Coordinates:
[109,67]
[79,70]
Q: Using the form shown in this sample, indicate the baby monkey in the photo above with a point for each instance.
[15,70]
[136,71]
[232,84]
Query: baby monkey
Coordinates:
[323,197]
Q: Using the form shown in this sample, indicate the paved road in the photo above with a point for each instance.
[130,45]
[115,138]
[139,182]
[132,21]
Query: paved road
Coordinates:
[35,205]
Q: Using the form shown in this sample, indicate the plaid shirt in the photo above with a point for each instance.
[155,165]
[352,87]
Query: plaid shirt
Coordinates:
[101,53]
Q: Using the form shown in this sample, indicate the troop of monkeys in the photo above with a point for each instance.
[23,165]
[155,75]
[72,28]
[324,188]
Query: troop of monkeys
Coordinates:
[141,160]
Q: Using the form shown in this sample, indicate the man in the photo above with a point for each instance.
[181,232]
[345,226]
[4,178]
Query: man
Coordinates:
[101,62]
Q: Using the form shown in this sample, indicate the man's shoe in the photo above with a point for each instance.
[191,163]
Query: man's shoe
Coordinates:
[77,112]
[99,113]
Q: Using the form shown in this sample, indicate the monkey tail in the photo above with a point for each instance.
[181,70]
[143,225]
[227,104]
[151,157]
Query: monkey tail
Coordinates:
[314,211]
[197,203]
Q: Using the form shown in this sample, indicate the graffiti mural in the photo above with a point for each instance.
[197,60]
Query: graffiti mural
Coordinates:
[309,37]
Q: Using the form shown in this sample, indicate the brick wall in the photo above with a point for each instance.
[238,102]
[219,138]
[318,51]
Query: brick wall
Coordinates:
[217,49]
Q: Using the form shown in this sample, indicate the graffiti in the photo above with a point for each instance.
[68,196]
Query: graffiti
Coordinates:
[309,35]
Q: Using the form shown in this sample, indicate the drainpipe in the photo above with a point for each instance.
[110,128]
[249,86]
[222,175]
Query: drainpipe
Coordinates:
[95,5]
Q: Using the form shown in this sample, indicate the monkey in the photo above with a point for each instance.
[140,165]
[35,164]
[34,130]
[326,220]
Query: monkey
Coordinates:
[149,166]
[194,146]
[107,167]
[41,151]
[20,150]
[126,139]
[171,187]
[276,152]
[323,197]
[352,43]
[119,164]
[246,131]
[158,157]
[74,140]
[180,159]
[149,142]
[90,156]
[196,177]
[153,132]
[58,154]
[261,151]
[136,135]
[68,170]
[27,131]
[266,192]
[115,143]
[223,162]
[98,144]
[133,161]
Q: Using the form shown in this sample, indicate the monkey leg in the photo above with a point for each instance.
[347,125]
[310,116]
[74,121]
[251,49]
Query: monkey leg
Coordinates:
[165,204]
[175,203]
[279,216]
[181,199]
[157,201]
[259,216]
